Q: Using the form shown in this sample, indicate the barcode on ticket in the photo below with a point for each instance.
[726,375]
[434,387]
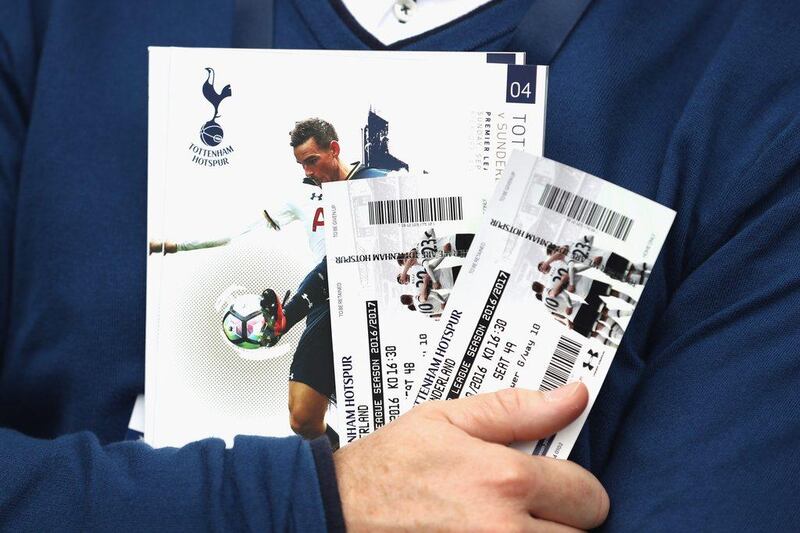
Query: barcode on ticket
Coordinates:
[557,374]
[561,364]
[590,213]
[415,210]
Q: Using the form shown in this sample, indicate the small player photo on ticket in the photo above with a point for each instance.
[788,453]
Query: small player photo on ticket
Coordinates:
[547,289]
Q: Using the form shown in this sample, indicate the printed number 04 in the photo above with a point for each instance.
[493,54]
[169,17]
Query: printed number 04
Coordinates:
[517,88]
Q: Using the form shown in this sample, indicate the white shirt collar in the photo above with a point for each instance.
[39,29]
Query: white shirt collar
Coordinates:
[391,21]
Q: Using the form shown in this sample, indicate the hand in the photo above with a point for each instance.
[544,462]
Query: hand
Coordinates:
[597,260]
[437,285]
[571,288]
[445,466]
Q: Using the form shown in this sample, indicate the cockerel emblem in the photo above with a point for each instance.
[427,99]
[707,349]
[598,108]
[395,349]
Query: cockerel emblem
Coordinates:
[211,133]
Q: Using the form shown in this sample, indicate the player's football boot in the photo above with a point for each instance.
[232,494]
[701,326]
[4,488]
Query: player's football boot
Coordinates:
[274,317]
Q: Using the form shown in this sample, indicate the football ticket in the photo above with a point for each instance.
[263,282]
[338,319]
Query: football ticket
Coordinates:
[395,246]
[547,289]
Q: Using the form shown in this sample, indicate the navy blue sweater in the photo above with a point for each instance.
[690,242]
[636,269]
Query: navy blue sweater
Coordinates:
[691,103]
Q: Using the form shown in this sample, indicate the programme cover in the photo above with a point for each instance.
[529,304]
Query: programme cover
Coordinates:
[223,178]
[547,290]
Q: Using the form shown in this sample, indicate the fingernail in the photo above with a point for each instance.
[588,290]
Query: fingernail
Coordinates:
[561,393]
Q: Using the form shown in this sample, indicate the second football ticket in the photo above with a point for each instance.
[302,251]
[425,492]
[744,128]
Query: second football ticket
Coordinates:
[547,289]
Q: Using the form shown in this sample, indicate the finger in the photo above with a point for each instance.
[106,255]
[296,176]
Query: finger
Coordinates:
[545,526]
[563,492]
[531,524]
[513,415]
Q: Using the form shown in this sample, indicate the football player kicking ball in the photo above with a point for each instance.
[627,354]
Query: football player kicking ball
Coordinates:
[316,148]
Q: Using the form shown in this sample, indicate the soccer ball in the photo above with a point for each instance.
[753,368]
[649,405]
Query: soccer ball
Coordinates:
[243,322]
[211,133]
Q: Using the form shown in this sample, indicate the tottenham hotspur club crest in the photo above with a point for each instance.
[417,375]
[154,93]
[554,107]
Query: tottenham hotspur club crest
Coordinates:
[211,133]
[209,153]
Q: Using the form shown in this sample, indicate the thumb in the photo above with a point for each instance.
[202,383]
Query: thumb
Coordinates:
[514,415]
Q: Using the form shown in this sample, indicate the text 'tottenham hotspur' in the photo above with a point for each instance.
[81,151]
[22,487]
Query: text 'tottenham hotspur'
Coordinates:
[384,256]
[520,232]
[432,387]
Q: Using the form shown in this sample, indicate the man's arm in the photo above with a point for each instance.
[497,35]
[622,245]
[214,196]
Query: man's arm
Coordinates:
[430,265]
[409,262]
[169,247]
[568,301]
[425,290]
[559,286]
[438,298]
[555,256]
[573,269]
[74,484]
[682,444]
[578,267]
[18,46]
